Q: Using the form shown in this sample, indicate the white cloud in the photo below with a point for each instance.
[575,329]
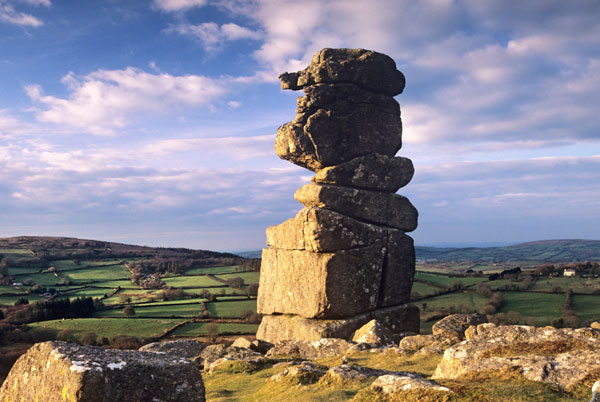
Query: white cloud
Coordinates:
[46,3]
[214,36]
[178,5]
[105,99]
[10,15]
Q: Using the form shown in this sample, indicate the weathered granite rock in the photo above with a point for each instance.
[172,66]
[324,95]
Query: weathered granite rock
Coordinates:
[564,357]
[186,348]
[398,270]
[237,360]
[416,342]
[371,172]
[373,332]
[322,230]
[454,325]
[303,374]
[397,319]
[390,384]
[325,347]
[368,69]
[59,371]
[242,342]
[375,207]
[341,122]
[320,285]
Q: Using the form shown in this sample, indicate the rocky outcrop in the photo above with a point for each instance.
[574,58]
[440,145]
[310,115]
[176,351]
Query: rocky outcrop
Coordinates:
[453,327]
[397,319]
[59,371]
[186,348]
[373,332]
[325,347]
[300,374]
[391,384]
[345,256]
[564,357]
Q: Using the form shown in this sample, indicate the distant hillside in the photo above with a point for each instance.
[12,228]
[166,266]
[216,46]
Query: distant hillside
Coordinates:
[553,251]
[56,248]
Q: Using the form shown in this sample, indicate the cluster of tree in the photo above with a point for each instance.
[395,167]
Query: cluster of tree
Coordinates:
[249,265]
[506,274]
[235,283]
[495,299]
[178,265]
[469,273]
[148,281]
[80,307]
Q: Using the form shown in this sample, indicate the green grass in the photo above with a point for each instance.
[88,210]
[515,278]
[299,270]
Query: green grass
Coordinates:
[15,251]
[212,270]
[500,283]
[163,310]
[22,271]
[586,307]
[108,327]
[578,284]
[124,283]
[445,280]
[536,308]
[10,289]
[191,281]
[423,289]
[10,300]
[89,292]
[116,272]
[248,277]
[46,279]
[200,329]
[227,309]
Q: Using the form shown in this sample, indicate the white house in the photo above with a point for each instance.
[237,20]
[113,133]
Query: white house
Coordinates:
[569,272]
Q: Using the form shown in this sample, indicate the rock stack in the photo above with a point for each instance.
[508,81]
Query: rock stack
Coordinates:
[345,258]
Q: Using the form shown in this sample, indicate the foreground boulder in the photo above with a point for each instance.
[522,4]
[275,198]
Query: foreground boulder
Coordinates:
[186,348]
[564,357]
[59,371]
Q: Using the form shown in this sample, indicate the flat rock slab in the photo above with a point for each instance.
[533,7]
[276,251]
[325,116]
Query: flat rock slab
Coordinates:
[59,371]
[368,206]
[563,357]
[275,328]
[366,68]
[391,384]
[186,348]
[325,347]
[371,172]
[320,285]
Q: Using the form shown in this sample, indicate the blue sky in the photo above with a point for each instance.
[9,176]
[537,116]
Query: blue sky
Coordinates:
[153,122]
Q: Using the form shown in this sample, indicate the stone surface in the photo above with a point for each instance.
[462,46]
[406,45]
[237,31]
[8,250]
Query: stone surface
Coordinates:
[454,325]
[325,347]
[242,342]
[397,319]
[366,68]
[186,348]
[336,123]
[59,371]
[390,384]
[398,270]
[371,172]
[373,332]
[303,374]
[563,357]
[320,285]
[374,207]
[322,230]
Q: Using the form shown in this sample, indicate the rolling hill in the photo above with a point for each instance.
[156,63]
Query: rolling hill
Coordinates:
[548,251]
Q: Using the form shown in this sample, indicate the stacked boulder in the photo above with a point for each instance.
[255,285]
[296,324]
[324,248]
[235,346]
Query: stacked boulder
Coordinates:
[345,258]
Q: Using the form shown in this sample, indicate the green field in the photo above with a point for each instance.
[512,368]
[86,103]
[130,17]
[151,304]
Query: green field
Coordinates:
[578,284]
[248,277]
[535,308]
[160,310]
[586,307]
[15,251]
[212,270]
[445,280]
[230,309]
[191,281]
[423,289]
[115,272]
[108,327]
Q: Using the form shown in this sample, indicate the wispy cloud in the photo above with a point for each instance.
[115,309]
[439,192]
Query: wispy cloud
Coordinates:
[9,15]
[178,5]
[105,100]
[213,36]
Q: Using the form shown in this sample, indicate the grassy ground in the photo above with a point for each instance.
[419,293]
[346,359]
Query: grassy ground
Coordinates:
[108,327]
[191,281]
[445,280]
[201,329]
[230,309]
[586,307]
[161,310]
